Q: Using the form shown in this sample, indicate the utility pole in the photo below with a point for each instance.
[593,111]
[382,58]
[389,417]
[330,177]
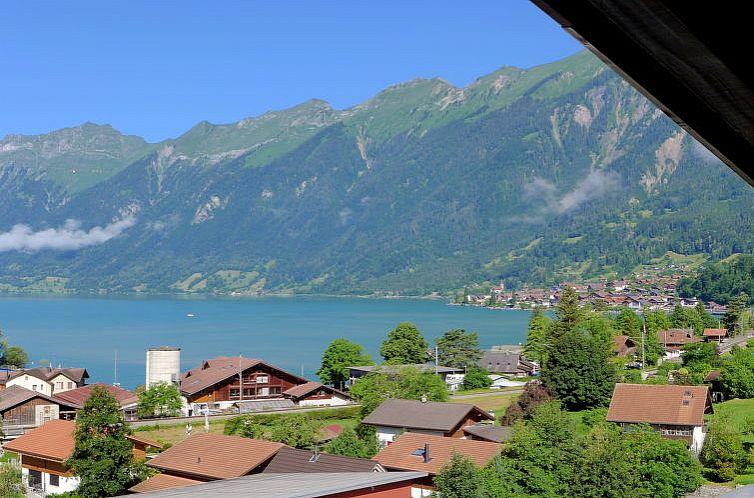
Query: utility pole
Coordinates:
[437,358]
[643,339]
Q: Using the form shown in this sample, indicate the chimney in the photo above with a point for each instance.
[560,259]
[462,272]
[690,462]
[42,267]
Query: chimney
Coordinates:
[426,453]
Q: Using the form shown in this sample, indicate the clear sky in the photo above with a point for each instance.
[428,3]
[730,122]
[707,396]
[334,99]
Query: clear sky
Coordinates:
[155,68]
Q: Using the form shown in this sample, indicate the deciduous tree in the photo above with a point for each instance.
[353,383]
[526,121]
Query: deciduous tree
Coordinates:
[476,378]
[404,345]
[160,400]
[459,478]
[339,355]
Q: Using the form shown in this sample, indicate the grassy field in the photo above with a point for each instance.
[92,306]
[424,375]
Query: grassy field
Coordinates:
[495,402]
[738,414]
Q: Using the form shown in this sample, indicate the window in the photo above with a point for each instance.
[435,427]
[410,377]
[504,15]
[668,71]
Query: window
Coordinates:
[70,385]
[33,387]
[235,393]
[58,385]
[54,480]
[247,391]
[262,379]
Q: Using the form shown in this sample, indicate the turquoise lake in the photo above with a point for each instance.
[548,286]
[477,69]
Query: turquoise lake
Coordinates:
[290,332]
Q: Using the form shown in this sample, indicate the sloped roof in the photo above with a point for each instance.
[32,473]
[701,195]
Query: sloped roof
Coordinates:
[715,332]
[16,395]
[45,373]
[489,432]
[51,441]
[210,372]
[292,485]
[403,454]
[303,389]
[213,456]
[160,482]
[659,404]
[80,395]
[411,414]
[291,460]
[677,336]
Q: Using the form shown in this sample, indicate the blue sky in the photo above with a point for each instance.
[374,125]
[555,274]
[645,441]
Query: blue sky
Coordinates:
[155,68]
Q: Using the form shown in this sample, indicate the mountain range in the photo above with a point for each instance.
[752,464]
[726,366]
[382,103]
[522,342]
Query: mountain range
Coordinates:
[561,171]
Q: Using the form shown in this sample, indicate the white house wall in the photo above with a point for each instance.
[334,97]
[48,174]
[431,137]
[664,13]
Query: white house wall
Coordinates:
[31,383]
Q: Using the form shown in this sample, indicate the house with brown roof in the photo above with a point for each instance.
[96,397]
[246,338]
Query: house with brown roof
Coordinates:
[395,416]
[316,394]
[715,335]
[22,410]
[673,340]
[127,400]
[218,383]
[427,453]
[624,346]
[207,457]
[45,449]
[48,380]
[677,412]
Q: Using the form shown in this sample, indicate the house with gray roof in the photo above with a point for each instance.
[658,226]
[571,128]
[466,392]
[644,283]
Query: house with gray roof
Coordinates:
[395,416]
[508,363]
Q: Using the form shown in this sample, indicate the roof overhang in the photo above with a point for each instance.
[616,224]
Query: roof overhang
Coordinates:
[689,58]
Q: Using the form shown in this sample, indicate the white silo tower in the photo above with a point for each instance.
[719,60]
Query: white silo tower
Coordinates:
[163,365]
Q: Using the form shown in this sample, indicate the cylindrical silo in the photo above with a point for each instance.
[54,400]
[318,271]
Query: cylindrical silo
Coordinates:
[163,365]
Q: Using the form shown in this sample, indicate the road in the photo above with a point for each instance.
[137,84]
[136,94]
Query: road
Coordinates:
[741,340]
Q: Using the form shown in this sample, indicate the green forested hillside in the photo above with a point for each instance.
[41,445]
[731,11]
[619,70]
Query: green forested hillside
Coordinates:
[559,171]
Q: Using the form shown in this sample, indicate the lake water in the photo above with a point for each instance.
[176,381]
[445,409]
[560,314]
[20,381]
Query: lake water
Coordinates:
[291,332]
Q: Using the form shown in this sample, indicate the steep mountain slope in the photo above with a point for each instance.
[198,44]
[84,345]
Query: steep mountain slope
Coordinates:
[560,171]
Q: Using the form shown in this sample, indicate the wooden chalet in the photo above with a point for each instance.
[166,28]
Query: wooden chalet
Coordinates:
[22,410]
[715,335]
[624,346]
[676,412]
[220,382]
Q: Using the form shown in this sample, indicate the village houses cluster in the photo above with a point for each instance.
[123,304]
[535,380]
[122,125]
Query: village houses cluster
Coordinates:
[642,292]
[417,438]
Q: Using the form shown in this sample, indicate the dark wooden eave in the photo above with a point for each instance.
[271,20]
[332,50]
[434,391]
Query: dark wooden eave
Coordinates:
[689,58]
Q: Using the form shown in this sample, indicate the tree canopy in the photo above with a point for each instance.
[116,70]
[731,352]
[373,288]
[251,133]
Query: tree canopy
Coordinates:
[407,383]
[578,371]
[339,355]
[404,345]
[102,456]
[458,349]
[160,400]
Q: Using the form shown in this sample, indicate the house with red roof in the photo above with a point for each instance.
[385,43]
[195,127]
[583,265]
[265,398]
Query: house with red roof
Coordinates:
[676,412]
[127,400]
[45,449]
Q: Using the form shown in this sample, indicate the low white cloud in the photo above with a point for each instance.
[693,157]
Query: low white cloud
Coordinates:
[68,237]
[593,186]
